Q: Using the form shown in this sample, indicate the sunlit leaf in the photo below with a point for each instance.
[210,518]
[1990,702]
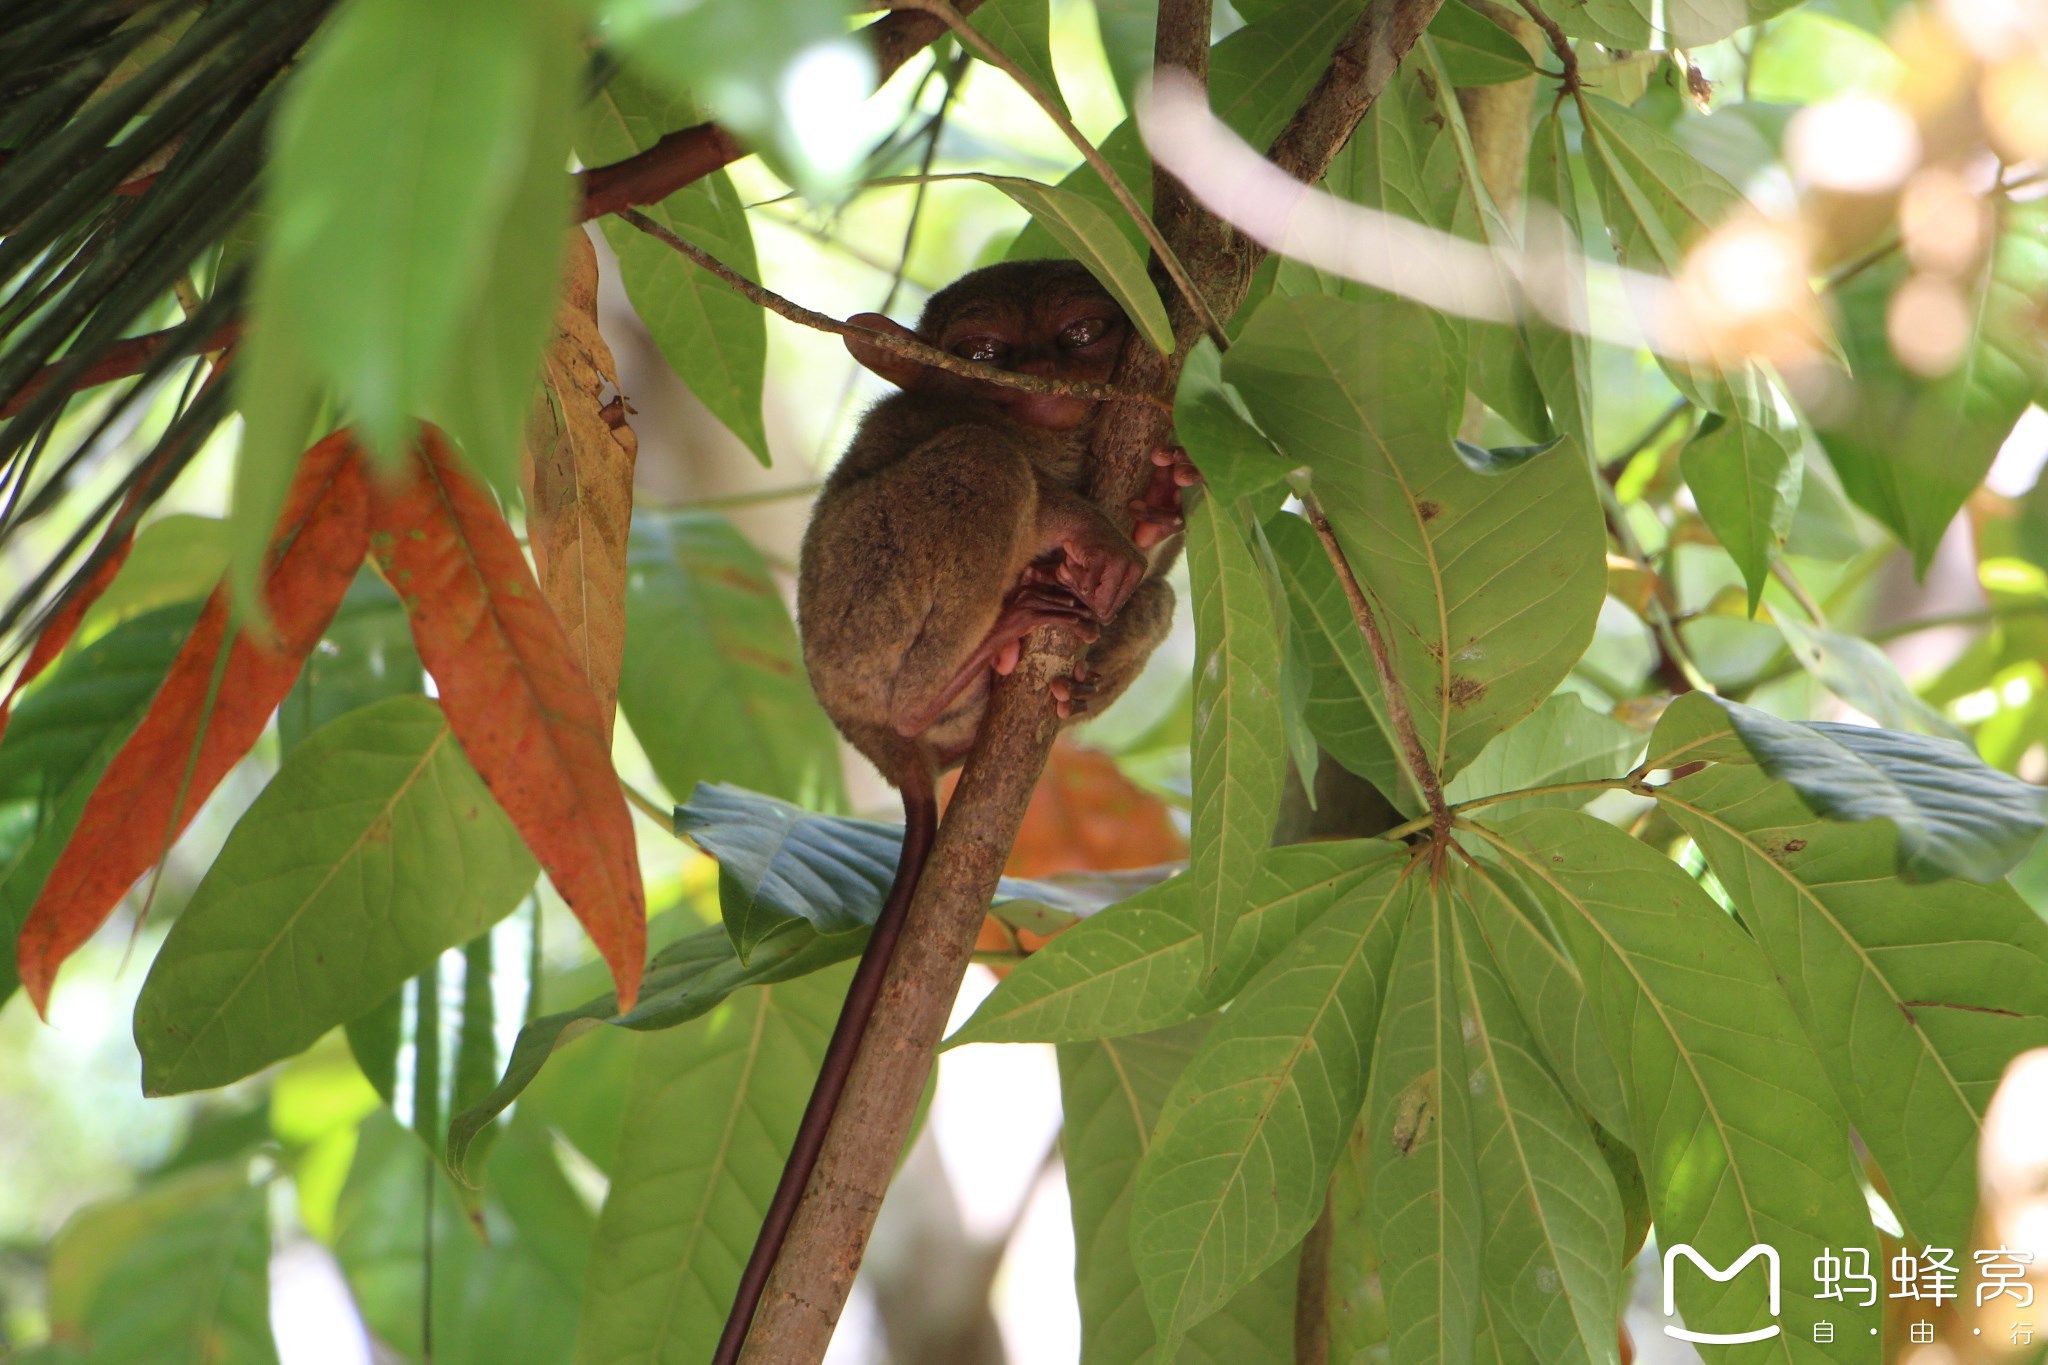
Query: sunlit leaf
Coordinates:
[374,848]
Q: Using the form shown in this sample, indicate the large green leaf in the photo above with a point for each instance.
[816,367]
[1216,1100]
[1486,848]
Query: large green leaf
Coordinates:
[710,1110]
[1239,755]
[1421,1185]
[61,738]
[1474,49]
[505,1281]
[1253,1128]
[192,1289]
[1955,816]
[750,67]
[1022,31]
[1482,622]
[1552,1237]
[1547,988]
[1744,472]
[375,847]
[1910,449]
[1346,710]
[1111,1092]
[1916,997]
[366,655]
[714,339]
[1559,354]
[1136,966]
[713,682]
[1235,458]
[1628,25]
[377,269]
[1565,741]
[1735,1126]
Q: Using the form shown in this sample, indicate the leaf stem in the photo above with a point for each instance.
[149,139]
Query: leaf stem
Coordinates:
[972,39]
[881,341]
[1626,782]
[665,816]
[1398,714]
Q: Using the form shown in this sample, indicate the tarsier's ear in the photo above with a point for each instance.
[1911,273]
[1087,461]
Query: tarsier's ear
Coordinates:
[901,371]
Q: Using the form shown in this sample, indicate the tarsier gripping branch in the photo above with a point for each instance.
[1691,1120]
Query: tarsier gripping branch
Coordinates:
[954,526]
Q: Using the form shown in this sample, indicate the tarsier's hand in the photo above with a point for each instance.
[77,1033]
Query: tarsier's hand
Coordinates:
[1157,514]
[1101,571]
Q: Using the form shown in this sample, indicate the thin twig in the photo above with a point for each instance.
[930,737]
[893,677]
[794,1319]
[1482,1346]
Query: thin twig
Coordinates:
[1567,60]
[881,341]
[971,38]
[1391,688]
[1613,467]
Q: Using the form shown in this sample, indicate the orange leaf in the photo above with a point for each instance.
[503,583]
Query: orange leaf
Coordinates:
[195,731]
[63,623]
[580,502]
[514,696]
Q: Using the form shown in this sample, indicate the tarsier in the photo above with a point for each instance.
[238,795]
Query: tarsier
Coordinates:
[956,524]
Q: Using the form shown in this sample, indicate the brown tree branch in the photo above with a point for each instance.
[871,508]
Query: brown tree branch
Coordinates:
[832,1225]
[647,177]
[882,341]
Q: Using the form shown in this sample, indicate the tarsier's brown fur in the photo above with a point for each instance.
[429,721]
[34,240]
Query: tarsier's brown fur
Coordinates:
[957,523]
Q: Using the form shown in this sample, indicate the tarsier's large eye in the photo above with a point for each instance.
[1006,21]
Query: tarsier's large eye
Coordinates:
[987,350]
[1086,332]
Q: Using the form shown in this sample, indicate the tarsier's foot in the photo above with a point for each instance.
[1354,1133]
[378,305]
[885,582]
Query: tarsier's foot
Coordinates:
[1071,695]
[1157,515]
[1038,603]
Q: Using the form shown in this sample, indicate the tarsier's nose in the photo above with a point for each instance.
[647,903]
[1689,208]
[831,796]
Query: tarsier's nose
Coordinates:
[1041,363]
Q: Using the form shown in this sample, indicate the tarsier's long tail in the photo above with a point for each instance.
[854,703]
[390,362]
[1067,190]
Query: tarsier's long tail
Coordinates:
[920,827]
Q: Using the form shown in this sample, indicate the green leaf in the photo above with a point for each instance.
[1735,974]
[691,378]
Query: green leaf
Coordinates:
[710,1110]
[1861,674]
[1659,201]
[1955,816]
[747,66]
[1684,24]
[1022,31]
[1916,997]
[1128,28]
[509,1294]
[1565,741]
[1744,472]
[713,682]
[1547,989]
[1136,966]
[366,655]
[711,337]
[61,738]
[192,1290]
[375,847]
[1421,1187]
[1481,623]
[1909,449]
[1559,356]
[1345,709]
[1552,1236]
[1209,418]
[1090,235]
[1738,1134]
[685,980]
[375,267]
[1253,1129]
[1239,757]
[177,558]
[1474,49]
[1111,1092]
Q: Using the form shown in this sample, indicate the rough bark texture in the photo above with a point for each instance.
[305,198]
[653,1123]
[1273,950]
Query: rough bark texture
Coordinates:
[829,1235]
